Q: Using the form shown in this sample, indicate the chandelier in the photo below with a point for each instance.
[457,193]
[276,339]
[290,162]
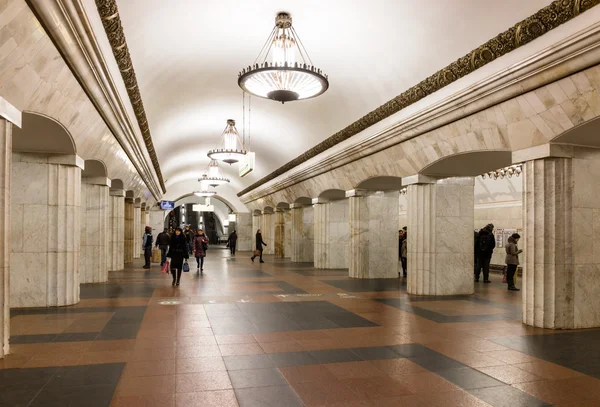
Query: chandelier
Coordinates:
[505,172]
[213,176]
[205,193]
[231,148]
[285,78]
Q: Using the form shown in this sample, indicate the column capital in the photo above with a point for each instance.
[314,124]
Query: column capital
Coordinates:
[96,181]
[137,205]
[117,192]
[544,151]
[10,113]
[320,200]
[297,205]
[418,179]
[72,160]
[356,193]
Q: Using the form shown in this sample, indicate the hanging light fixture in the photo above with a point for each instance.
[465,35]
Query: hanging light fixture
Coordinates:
[285,78]
[232,148]
[205,193]
[213,177]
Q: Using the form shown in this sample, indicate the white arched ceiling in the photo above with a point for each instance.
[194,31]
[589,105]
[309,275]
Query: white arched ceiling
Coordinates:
[187,55]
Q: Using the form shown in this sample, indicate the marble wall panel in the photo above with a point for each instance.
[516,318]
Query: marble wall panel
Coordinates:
[45,261]
[287,238]
[279,238]
[94,233]
[268,232]
[137,231]
[321,235]
[116,231]
[128,241]
[302,234]
[244,231]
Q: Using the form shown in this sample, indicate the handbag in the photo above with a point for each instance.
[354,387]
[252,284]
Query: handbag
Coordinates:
[504,280]
[165,267]
[186,267]
[257,252]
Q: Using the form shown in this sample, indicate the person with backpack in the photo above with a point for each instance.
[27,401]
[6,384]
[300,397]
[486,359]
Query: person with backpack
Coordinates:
[512,260]
[485,247]
[200,248]
[147,246]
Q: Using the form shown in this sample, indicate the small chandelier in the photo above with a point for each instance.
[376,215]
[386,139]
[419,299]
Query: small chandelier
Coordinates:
[232,148]
[505,172]
[284,79]
[205,193]
[213,176]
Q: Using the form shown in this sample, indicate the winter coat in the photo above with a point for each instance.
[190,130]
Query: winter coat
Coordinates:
[163,239]
[400,241]
[259,242]
[512,252]
[178,250]
[199,247]
[485,243]
[404,247]
[232,239]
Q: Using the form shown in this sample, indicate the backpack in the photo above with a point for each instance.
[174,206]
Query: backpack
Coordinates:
[483,242]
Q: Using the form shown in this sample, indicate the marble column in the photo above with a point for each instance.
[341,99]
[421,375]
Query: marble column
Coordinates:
[268,231]
[129,232]
[5,225]
[279,233]
[94,230]
[321,230]
[287,236]
[373,219]
[244,231]
[561,261]
[302,233]
[46,230]
[440,235]
[116,230]
[156,221]
[137,230]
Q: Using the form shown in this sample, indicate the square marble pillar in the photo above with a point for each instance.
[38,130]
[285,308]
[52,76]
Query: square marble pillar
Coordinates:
[561,256]
[128,231]
[244,231]
[279,233]
[373,220]
[440,235]
[302,233]
[338,247]
[137,230]
[287,236]
[5,225]
[46,230]
[116,230]
[94,230]
[268,231]
[321,230]
[156,220]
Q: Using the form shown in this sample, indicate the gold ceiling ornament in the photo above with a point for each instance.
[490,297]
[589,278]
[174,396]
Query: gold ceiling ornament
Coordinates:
[109,14]
[546,19]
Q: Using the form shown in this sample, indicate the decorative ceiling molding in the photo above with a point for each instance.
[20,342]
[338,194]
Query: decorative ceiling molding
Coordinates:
[546,19]
[109,14]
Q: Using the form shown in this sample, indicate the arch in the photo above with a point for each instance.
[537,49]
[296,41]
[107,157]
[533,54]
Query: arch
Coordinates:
[191,198]
[333,194]
[468,164]
[42,134]
[303,200]
[283,205]
[95,168]
[383,183]
[585,135]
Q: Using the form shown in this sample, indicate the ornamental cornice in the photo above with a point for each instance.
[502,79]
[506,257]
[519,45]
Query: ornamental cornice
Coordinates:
[546,19]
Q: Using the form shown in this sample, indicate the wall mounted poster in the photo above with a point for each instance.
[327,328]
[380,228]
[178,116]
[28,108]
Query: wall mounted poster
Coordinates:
[499,235]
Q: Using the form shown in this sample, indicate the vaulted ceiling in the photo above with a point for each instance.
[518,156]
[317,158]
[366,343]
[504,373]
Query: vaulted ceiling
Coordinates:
[187,55]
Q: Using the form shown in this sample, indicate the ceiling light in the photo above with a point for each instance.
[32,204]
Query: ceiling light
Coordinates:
[205,193]
[213,176]
[290,75]
[232,148]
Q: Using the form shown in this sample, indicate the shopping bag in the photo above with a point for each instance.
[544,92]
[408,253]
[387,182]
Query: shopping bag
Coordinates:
[504,276]
[156,256]
[165,267]
[186,267]
[257,252]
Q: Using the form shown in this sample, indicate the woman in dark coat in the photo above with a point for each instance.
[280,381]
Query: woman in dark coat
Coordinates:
[200,246]
[232,242]
[259,246]
[178,252]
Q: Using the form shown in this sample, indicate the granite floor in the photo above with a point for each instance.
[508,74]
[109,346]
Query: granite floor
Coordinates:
[283,334]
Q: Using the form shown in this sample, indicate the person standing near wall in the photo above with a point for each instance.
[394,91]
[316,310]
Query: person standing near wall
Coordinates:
[402,249]
[512,260]
[485,248]
[147,246]
[232,242]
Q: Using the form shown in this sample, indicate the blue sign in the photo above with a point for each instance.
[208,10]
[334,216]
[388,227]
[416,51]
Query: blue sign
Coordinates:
[167,205]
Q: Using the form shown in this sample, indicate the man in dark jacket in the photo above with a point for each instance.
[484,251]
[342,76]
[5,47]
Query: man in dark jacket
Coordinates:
[189,237]
[162,242]
[259,246]
[147,246]
[232,242]
[484,247]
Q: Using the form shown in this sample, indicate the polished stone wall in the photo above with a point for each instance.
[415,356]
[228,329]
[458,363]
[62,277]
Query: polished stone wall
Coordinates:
[287,235]
[279,234]
[128,231]
[94,232]
[116,230]
[302,233]
[45,230]
[244,231]
[137,231]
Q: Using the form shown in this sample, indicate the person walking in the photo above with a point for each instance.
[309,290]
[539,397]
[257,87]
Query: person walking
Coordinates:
[485,248]
[400,239]
[162,242]
[512,260]
[178,252]
[403,254]
[232,242]
[147,246]
[189,236]
[259,246]
[200,247]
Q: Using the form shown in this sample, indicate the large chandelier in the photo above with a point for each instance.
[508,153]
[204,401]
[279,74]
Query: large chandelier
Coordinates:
[516,169]
[213,176]
[285,78]
[231,148]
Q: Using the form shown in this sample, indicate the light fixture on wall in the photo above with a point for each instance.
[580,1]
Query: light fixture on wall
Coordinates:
[516,169]
[290,75]
[403,191]
[231,148]
[205,193]
[213,177]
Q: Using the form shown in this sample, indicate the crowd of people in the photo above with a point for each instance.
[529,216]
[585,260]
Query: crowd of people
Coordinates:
[484,245]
